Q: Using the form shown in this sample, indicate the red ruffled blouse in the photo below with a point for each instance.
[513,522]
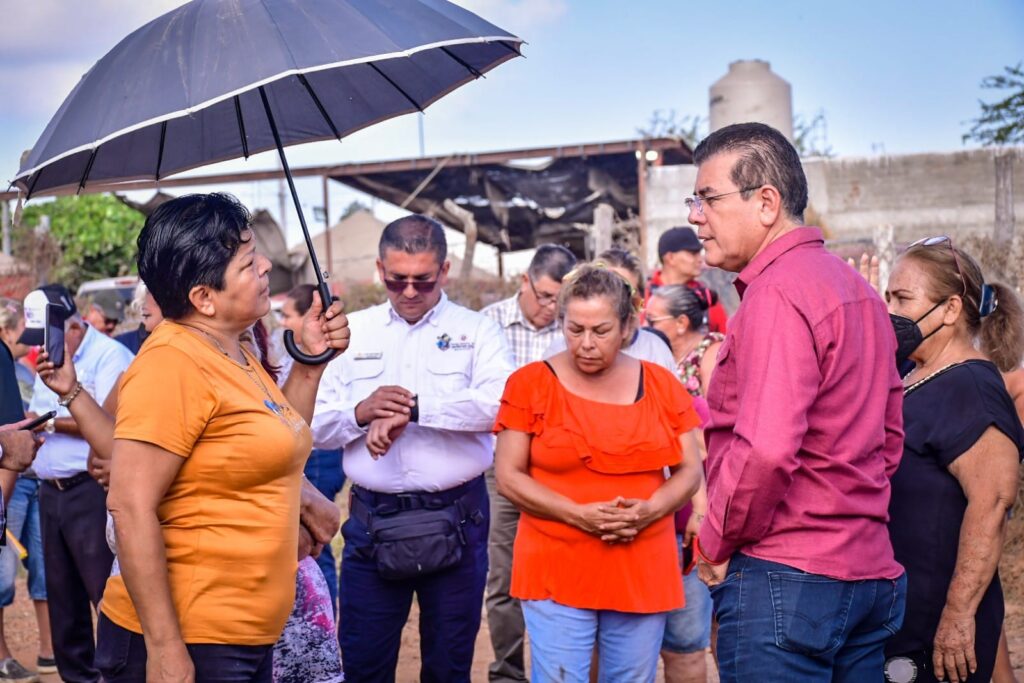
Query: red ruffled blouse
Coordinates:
[591,451]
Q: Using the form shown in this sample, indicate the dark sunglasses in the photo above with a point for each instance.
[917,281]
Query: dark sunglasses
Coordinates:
[421,286]
[931,242]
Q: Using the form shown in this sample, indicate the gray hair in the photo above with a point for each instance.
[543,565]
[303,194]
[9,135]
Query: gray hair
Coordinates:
[681,300]
[552,261]
[766,158]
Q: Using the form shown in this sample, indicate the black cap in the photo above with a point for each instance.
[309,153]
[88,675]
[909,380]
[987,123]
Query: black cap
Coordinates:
[678,239]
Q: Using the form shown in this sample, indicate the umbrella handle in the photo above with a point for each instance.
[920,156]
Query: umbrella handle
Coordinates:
[289,337]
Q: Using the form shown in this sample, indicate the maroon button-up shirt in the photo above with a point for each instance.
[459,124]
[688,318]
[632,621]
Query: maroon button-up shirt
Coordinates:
[806,418]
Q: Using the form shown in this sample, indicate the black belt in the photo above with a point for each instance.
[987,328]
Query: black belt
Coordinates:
[68,482]
[390,503]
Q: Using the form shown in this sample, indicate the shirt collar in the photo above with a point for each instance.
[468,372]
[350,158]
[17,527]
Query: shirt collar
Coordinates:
[87,340]
[787,242]
[430,318]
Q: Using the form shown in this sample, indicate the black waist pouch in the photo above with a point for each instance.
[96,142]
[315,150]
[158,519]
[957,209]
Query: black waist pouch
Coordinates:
[413,543]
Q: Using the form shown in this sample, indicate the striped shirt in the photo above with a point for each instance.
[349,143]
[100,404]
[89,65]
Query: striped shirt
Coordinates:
[528,342]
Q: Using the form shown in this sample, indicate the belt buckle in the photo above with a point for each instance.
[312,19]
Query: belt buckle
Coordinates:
[405,501]
[59,483]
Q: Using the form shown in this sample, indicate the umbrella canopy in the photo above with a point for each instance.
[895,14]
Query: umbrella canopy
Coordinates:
[206,82]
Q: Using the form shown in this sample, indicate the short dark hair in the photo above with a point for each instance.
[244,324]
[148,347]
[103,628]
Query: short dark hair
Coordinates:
[766,158]
[415,234]
[302,297]
[188,242]
[551,260]
[617,257]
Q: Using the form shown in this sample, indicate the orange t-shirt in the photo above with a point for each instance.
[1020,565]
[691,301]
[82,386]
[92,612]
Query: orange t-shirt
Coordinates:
[590,451]
[230,518]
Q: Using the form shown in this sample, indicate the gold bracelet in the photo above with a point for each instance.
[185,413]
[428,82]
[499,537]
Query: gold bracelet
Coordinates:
[65,401]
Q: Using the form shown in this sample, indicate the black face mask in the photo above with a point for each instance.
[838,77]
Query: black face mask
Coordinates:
[909,335]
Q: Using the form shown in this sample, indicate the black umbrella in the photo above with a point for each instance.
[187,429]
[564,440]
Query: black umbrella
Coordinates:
[219,79]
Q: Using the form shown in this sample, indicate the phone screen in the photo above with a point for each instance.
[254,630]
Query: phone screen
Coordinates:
[53,336]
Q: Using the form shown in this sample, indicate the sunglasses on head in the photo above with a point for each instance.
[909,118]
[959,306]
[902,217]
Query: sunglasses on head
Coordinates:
[940,239]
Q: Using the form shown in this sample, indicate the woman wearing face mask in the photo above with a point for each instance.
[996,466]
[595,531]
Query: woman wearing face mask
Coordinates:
[958,476]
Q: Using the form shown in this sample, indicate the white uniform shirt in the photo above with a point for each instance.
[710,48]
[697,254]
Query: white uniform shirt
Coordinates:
[99,362]
[645,346]
[454,359]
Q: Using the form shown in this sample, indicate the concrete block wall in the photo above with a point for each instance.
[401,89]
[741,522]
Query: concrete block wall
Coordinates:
[918,194]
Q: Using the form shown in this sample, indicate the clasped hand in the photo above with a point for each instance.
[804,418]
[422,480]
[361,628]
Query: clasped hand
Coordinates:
[616,521]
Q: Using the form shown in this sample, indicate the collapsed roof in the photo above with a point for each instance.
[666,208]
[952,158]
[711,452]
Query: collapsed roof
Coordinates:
[519,198]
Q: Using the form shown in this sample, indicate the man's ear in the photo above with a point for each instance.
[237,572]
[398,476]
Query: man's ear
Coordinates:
[770,205]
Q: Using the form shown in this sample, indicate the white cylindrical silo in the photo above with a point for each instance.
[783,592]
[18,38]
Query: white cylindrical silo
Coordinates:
[751,92]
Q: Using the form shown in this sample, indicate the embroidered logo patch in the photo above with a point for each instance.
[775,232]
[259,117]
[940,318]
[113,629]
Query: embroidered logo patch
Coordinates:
[444,342]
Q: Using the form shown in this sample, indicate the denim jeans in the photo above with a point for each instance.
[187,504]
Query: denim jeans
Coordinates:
[562,643]
[689,629]
[777,623]
[121,658]
[23,523]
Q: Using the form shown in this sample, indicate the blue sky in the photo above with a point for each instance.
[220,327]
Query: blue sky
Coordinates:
[892,77]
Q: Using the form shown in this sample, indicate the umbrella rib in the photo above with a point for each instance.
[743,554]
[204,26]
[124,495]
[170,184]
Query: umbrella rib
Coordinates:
[320,106]
[160,152]
[32,187]
[476,73]
[396,87]
[88,170]
[241,127]
[509,47]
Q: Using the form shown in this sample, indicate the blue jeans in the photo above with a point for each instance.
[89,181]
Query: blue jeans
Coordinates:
[689,629]
[562,643]
[23,523]
[777,623]
[323,469]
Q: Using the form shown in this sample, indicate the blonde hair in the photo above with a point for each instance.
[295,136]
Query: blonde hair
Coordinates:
[11,311]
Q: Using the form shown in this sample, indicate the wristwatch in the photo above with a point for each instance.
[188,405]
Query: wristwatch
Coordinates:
[51,426]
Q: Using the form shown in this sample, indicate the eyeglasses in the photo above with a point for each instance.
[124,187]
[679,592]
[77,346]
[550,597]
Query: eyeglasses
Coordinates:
[544,300]
[650,321]
[931,242]
[421,286]
[697,202]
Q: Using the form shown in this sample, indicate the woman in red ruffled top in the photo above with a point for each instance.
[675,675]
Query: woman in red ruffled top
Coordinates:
[584,440]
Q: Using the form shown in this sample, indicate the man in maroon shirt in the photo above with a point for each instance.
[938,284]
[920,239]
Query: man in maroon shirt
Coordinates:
[805,431]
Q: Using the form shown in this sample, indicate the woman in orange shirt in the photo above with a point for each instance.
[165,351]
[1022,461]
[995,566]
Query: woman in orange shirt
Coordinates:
[207,461]
[583,442]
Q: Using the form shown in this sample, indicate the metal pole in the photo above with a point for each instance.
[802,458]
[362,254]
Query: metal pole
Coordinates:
[328,238]
[325,291]
[641,196]
[6,210]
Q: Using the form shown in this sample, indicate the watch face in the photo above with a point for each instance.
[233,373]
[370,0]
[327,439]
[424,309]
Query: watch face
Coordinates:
[900,670]
[50,427]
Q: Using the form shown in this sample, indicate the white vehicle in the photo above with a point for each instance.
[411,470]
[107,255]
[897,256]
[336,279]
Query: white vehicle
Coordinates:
[124,286]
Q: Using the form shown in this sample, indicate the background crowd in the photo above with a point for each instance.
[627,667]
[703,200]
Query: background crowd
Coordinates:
[606,465]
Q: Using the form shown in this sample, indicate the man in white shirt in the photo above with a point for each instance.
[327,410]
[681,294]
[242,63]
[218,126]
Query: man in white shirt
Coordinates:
[72,505]
[530,322]
[413,403]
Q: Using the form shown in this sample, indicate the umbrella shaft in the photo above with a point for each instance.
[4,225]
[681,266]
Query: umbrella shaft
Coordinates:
[325,291]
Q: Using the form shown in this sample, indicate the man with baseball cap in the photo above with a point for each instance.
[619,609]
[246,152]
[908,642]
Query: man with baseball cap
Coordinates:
[682,261]
[105,311]
[72,505]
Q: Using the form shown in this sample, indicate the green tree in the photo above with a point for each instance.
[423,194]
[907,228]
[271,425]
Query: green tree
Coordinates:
[93,234]
[1001,122]
[691,129]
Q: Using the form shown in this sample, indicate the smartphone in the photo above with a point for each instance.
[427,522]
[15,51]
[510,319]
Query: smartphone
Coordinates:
[53,336]
[41,420]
